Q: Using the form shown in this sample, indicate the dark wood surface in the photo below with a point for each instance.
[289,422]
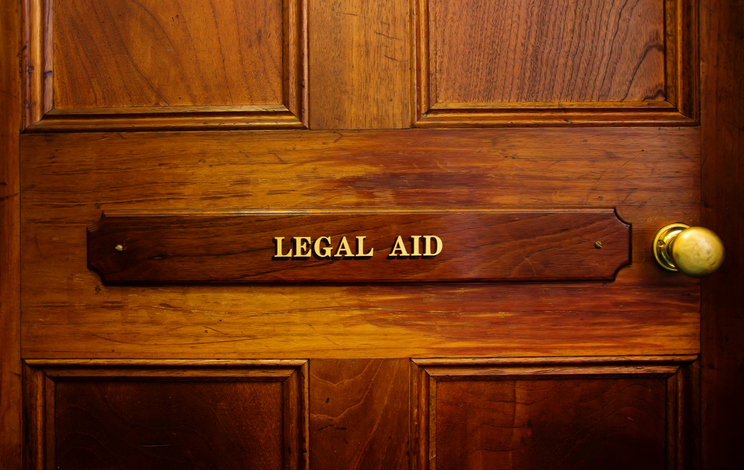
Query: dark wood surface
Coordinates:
[142,424]
[513,424]
[648,174]
[722,123]
[565,413]
[535,51]
[359,414]
[366,75]
[10,280]
[167,414]
[352,246]
[538,63]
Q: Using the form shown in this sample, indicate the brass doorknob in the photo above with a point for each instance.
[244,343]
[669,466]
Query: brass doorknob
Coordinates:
[696,251]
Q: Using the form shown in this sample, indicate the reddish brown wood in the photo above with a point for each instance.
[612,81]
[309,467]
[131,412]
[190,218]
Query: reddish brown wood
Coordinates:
[153,53]
[359,64]
[536,51]
[11,433]
[359,414]
[167,414]
[648,174]
[582,415]
[658,313]
[154,65]
[347,247]
[722,121]
[492,64]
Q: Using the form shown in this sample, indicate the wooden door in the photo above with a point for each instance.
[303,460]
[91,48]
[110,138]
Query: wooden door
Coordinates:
[188,107]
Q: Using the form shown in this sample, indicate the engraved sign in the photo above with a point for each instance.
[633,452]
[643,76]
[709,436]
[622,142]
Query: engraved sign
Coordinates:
[358,246]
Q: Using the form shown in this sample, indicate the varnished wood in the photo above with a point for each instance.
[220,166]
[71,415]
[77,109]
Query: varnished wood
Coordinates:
[358,246]
[181,65]
[70,179]
[520,416]
[682,55]
[359,64]
[37,58]
[11,432]
[474,63]
[723,211]
[586,335]
[166,414]
[168,119]
[359,414]
[180,53]
[536,51]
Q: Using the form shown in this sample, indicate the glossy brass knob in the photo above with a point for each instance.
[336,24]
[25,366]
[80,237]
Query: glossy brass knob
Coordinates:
[696,251]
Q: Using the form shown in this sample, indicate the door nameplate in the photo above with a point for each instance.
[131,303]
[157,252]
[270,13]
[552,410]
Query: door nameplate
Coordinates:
[385,246]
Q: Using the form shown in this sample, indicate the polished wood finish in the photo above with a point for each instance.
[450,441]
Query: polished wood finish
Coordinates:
[348,247]
[69,179]
[536,51]
[544,63]
[590,337]
[153,53]
[172,414]
[722,122]
[165,65]
[359,64]
[359,414]
[576,413]
[10,228]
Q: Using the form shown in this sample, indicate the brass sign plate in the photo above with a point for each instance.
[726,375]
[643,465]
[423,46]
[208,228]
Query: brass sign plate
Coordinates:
[358,246]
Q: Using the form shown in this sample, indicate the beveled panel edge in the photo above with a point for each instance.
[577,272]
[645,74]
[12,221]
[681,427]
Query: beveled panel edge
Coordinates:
[40,376]
[558,361]
[168,119]
[681,87]
[38,88]
[569,116]
[682,56]
[37,76]
[681,372]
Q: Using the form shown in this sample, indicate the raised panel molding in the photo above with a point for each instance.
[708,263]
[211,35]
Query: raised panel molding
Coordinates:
[42,113]
[150,413]
[600,412]
[678,105]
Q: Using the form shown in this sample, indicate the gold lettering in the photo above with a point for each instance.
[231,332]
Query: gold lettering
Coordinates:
[302,247]
[399,249]
[343,246]
[279,254]
[428,239]
[326,251]
[360,248]
[416,245]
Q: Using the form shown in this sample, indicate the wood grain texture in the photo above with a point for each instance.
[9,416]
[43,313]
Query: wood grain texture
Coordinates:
[10,263]
[359,64]
[650,175]
[165,65]
[360,414]
[583,415]
[722,122]
[537,51]
[349,247]
[37,56]
[166,415]
[537,63]
[176,53]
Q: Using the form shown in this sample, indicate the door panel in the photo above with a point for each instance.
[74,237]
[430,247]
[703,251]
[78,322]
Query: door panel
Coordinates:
[72,178]
[319,98]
